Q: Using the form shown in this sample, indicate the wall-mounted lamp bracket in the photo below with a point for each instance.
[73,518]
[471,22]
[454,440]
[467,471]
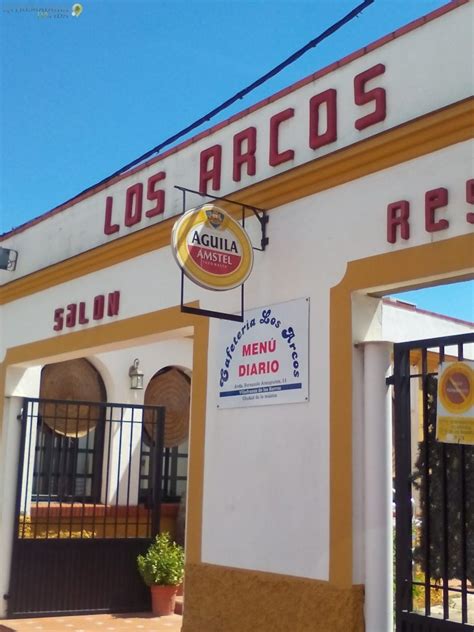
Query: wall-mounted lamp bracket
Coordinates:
[136,376]
[8,259]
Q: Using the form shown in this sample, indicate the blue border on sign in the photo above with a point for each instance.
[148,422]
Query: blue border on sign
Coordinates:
[261,389]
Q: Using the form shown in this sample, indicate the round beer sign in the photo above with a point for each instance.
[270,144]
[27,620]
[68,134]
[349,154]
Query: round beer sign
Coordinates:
[212,248]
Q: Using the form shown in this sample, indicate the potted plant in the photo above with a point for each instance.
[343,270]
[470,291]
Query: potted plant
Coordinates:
[162,568]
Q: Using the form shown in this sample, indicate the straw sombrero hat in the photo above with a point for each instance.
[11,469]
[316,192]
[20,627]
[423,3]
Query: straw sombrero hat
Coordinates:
[170,388]
[75,381]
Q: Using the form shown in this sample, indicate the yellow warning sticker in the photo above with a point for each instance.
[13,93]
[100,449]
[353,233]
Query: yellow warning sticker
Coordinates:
[455,413]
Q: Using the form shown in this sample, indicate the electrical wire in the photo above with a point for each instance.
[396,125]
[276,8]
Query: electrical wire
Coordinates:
[239,95]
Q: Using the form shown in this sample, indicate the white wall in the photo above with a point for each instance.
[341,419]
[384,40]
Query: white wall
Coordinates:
[414,65]
[266,479]
[310,242]
[319,233]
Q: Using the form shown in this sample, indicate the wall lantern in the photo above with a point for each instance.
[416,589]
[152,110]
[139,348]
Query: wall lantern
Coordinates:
[136,376]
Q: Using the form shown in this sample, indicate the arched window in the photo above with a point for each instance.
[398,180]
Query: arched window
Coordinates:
[171,388]
[70,433]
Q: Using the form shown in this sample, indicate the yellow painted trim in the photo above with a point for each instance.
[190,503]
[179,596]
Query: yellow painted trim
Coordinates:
[451,258]
[195,493]
[132,330]
[423,135]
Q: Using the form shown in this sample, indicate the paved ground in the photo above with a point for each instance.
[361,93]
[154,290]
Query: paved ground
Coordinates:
[95,623]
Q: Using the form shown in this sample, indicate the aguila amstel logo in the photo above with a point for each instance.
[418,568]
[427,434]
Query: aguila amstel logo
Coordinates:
[212,248]
[215,217]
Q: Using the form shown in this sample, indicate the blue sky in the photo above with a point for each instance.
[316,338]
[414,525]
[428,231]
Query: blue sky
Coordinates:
[82,96]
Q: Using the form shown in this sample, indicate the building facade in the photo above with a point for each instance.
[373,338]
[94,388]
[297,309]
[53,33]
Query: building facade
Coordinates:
[365,172]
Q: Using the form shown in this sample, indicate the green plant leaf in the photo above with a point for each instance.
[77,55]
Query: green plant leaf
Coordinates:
[163,563]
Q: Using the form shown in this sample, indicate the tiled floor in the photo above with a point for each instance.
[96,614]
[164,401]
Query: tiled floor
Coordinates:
[95,623]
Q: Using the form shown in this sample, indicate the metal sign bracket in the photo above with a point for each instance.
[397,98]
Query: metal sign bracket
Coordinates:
[260,213]
[262,217]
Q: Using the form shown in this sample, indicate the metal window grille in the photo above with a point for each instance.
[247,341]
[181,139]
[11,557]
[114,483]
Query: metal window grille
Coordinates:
[174,472]
[80,470]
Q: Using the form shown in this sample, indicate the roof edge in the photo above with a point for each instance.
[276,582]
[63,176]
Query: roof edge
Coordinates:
[411,26]
[411,307]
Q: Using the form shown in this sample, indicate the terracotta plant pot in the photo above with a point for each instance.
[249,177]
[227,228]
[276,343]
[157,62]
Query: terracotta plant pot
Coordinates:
[163,600]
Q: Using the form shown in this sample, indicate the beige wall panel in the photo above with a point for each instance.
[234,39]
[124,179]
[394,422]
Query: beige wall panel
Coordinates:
[222,599]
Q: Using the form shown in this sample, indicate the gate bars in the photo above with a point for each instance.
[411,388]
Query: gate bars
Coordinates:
[81,466]
[80,522]
[434,498]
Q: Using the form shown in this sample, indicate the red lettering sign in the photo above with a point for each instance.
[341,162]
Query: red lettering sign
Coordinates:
[470,199]
[255,348]
[133,209]
[398,213]
[397,216]
[83,320]
[363,96]
[109,228]
[113,303]
[157,195]
[435,199]
[71,315]
[76,313]
[241,157]
[259,368]
[134,204]
[275,156]
[98,308]
[317,138]
[212,155]
[58,319]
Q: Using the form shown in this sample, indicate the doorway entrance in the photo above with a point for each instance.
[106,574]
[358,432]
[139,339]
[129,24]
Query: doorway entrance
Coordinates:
[79,525]
[434,496]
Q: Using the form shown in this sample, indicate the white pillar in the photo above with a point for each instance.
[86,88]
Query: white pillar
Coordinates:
[378,489]
[9,455]
[29,458]
[121,464]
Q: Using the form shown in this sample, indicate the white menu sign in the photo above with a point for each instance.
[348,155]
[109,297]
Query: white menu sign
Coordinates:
[264,360]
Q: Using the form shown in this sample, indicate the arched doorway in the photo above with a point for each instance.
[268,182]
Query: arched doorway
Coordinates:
[79,528]
[171,388]
[69,448]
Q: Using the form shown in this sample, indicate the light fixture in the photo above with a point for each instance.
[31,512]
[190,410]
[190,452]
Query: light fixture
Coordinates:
[136,376]
[8,259]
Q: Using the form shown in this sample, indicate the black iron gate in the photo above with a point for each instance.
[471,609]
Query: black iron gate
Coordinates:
[79,522]
[434,496]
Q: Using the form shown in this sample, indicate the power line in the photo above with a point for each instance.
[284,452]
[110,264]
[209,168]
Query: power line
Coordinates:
[239,95]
